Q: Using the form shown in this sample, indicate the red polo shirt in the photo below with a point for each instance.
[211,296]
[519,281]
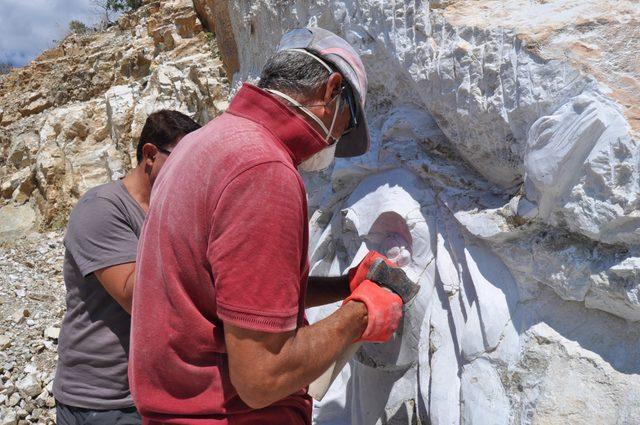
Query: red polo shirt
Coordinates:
[225,240]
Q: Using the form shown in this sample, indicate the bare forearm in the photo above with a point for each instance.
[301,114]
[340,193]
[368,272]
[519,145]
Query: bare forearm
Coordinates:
[326,290]
[303,357]
[313,349]
[119,281]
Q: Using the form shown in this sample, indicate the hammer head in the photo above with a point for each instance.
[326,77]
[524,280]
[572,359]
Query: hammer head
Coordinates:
[393,278]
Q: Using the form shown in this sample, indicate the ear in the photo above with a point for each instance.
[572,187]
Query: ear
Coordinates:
[333,87]
[149,153]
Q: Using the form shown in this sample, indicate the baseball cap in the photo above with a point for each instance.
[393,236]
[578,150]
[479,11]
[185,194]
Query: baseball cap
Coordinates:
[338,52]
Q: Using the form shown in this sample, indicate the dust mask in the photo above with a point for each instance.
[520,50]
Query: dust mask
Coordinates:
[320,160]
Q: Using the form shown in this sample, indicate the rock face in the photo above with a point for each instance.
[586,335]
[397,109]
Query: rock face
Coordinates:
[504,177]
[70,120]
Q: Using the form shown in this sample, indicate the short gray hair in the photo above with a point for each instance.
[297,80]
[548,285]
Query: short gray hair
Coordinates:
[293,73]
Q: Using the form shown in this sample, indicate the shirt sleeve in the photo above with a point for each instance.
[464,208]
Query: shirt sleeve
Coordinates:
[255,248]
[99,236]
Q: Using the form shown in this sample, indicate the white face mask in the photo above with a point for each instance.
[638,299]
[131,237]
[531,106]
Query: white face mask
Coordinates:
[320,160]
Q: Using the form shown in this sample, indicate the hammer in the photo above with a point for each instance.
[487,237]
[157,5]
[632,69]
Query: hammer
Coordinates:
[391,278]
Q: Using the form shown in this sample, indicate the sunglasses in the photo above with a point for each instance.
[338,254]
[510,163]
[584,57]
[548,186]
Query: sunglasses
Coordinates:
[351,102]
[164,151]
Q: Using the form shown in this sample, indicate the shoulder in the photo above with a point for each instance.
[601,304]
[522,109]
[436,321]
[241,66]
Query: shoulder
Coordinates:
[263,200]
[229,146]
[271,172]
[265,180]
[109,191]
[104,191]
[239,140]
[98,203]
[265,183]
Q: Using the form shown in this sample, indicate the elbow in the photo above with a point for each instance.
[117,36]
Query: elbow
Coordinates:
[255,391]
[126,302]
[255,400]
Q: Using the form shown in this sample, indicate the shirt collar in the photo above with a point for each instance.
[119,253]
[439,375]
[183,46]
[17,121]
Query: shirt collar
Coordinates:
[292,131]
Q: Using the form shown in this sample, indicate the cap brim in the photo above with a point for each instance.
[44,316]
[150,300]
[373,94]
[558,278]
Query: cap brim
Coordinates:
[357,141]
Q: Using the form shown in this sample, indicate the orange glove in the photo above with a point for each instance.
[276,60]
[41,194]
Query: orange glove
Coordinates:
[384,311]
[359,273]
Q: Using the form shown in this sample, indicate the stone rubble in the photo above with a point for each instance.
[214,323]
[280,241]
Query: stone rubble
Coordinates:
[32,306]
[52,332]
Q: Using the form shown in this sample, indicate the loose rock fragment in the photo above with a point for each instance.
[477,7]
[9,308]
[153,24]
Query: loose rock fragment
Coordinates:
[29,385]
[14,399]
[52,332]
[5,342]
[8,418]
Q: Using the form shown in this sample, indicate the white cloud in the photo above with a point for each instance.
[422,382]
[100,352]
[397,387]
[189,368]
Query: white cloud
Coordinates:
[28,27]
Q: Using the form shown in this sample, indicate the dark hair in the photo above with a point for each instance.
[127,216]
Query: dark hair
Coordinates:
[164,128]
[293,72]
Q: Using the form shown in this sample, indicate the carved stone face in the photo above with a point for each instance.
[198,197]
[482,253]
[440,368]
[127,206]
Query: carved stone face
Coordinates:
[385,213]
[388,212]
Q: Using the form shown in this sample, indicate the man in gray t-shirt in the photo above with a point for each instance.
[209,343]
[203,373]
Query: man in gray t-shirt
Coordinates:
[91,385]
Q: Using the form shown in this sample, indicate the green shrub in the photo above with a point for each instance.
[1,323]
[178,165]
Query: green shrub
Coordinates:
[123,5]
[5,68]
[78,27]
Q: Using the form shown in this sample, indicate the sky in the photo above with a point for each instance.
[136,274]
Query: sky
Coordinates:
[28,27]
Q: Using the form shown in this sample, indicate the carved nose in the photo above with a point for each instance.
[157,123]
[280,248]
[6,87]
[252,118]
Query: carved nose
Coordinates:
[390,235]
[396,249]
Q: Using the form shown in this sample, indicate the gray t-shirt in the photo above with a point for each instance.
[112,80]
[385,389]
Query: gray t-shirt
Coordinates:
[93,348]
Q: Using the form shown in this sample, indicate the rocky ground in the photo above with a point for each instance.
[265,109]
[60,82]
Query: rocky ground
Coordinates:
[31,310]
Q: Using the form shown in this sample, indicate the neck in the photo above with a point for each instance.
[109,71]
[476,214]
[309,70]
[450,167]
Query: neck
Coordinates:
[139,187]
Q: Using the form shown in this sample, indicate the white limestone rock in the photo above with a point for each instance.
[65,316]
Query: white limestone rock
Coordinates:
[29,386]
[8,417]
[564,383]
[582,170]
[22,149]
[52,332]
[484,401]
[191,85]
[5,342]
[16,221]
[119,103]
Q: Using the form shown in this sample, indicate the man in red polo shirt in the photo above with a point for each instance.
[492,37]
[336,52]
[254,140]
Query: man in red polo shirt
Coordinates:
[218,328]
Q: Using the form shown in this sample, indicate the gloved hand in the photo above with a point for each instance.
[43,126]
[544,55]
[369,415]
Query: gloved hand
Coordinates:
[384,311]
[359,273]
